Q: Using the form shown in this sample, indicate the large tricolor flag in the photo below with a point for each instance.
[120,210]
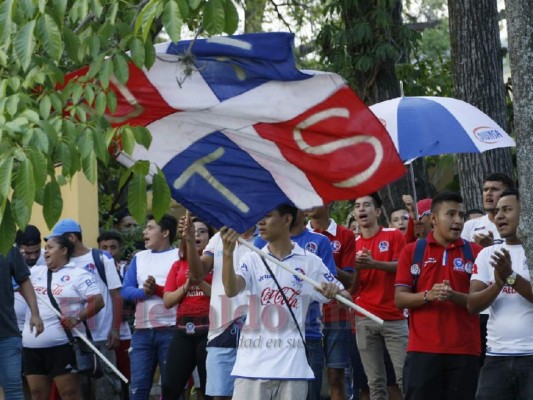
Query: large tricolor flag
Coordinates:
[247,131]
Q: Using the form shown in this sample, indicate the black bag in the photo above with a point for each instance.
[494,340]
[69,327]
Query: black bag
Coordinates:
[87,362]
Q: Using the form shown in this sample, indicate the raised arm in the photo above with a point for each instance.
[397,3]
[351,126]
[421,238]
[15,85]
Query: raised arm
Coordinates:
[233,283]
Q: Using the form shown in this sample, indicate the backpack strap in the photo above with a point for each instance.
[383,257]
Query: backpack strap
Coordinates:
[468,254]
[418,257]
[98,258]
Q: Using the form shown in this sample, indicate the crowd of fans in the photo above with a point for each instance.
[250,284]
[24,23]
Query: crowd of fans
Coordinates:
[213,316]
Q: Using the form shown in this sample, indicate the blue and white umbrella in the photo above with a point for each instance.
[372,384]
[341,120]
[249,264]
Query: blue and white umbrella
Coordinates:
[428,126]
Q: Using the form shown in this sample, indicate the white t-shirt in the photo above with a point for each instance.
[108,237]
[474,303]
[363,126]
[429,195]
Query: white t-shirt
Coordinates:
[102,322]
[71,287]
[150,311]
[481,225]
[223,310]
[270,346]
[509,330]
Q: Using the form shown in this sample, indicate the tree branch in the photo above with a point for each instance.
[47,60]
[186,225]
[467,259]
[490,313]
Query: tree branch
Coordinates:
[89,18]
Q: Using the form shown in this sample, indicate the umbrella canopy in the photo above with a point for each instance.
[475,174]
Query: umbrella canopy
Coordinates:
[428,126]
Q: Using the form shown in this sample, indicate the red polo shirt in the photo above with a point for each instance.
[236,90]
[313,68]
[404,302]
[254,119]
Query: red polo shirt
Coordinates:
[440,326]
[376,287]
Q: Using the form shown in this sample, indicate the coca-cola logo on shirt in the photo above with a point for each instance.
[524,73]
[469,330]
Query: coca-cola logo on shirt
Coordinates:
[274,296]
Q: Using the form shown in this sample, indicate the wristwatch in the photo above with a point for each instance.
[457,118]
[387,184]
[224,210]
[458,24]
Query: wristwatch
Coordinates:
[511,279]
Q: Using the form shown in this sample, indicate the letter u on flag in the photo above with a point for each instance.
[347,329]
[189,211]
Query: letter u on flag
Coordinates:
[247,131]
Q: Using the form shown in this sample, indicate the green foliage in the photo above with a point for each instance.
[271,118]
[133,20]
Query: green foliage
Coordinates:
[359,37]
[45,122]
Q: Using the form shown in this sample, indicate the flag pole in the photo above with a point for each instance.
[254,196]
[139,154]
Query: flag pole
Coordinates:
[310,281]
[88,343]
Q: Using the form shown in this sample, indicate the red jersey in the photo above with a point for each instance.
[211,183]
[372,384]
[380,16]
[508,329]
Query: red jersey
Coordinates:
[376,287]
[440,326]
[343,245]
[196,302]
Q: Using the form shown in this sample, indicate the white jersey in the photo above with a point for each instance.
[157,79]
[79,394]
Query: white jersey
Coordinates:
[71,286]
[270,346]
[481,225]
[511,315]
[102,322]
[150,311]
[223,310]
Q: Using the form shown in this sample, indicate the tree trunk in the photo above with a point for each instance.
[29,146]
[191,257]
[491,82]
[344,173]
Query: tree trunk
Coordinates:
[520,29]
[254,11]
[477,70]
[380,83]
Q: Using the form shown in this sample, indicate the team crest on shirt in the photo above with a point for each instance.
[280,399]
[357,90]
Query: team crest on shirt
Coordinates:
[383,246]
[297,282]
[458,265]
[189,328]
[65,278]
[469,267]
[415,270]
[336,246]
[311,247]
[90,268]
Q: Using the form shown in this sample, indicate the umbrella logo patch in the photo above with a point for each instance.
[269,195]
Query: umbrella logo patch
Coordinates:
[487,135]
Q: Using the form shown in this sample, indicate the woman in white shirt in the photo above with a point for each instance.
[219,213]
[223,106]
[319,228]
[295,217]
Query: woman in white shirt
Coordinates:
[50,356]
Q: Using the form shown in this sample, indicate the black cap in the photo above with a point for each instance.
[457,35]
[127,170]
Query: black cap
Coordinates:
[30,237]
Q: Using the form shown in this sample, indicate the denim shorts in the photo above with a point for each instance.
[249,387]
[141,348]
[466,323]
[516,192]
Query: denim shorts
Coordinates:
[336,344]
[218,365]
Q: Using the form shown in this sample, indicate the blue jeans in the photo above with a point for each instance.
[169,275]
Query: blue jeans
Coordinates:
[315,358]
[148,348]
[506,378]
[11,367]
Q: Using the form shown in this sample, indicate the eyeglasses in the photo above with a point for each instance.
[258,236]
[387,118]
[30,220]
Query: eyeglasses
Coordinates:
[201,231]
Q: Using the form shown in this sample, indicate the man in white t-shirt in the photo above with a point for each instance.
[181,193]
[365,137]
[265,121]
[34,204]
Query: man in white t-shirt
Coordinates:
[271,361]
[482,230]
[500,282]
[226,315]
[104,326]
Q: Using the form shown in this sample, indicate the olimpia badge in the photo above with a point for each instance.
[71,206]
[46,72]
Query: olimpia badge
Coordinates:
[415,269]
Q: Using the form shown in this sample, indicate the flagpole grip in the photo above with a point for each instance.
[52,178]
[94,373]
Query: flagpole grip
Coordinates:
[88,343]
[287,268]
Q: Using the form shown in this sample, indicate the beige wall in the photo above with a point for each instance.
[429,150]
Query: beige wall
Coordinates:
[80,202]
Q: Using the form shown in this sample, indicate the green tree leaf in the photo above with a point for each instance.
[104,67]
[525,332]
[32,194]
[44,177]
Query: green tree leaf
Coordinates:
[231,17]
[6,19]
[86,143]
[72,45]
[40,166]
[52,203]
[146,18]
[138,53]
[137,197]
[45,105]
[25,44]
[161,195]
[121,68]
[6,170]
[184,9]
[172,20]
[88,165]
[214,18]
[142,136]
[127,139]
[8,230]
[50,36]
